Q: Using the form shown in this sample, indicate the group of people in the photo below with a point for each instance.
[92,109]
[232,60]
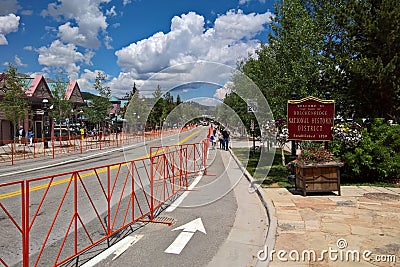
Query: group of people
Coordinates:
[220,136]
[21,134]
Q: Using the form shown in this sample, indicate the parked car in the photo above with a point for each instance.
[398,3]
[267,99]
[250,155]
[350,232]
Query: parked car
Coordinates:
[64,133]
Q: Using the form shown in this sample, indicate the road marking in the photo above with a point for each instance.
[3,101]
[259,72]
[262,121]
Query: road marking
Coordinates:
[183,238]
[119,247]
[123,248]
[179,200]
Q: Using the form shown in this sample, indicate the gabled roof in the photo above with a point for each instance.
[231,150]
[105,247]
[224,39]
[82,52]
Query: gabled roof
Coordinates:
[115,100]
[38,87]
[73,93]
[2,76]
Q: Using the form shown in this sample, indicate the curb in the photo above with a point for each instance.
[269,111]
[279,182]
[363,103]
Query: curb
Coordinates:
[271,214]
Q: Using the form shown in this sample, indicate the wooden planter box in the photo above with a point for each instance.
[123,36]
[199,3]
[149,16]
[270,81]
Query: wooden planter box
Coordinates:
[318,178]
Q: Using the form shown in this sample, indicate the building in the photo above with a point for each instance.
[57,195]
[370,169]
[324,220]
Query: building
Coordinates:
[38,89]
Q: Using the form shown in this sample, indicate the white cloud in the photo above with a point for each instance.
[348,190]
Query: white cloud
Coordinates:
[19,62]
[127,2]
[65,56]
[8,24]
[27,12]
[111,12]
[107,40]
[243,2]
[221,92]
[86,80]
[84,21]
[28,48]
[124,83]
[236,26]
[230,38]
[9,6]
[189,41]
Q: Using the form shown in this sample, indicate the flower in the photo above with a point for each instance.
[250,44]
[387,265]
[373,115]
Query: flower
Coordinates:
[316,155]
[349,135]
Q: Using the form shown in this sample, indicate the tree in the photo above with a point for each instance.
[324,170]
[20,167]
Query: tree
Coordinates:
[98,108]
[129,97]
[136,110]
[61,106]
[156,115]
[178,100]
[370,56]
[347,47]
[14,101]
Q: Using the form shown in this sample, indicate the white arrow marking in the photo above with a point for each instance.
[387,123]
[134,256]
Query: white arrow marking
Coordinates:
[130,240]
[124,247]
[183,238]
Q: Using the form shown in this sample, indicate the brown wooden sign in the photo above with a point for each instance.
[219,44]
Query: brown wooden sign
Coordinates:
[311,119]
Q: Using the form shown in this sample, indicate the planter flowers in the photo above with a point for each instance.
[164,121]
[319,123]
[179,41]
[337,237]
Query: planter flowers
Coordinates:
[317,155]
[317,170]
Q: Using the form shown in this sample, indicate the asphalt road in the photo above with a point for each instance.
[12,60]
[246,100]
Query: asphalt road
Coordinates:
[212,200]
[50,208]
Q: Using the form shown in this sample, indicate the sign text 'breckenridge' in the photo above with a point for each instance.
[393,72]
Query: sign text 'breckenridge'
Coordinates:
[310,118]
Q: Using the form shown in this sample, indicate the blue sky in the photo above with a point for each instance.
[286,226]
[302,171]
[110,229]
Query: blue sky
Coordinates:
[130,40]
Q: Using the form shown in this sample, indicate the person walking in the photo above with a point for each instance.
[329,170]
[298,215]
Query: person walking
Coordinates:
[21,134]
[220,140]
[30,135]
[213,138]
[225,135]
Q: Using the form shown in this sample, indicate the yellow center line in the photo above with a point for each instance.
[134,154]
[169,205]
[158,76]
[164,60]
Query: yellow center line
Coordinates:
[66,180]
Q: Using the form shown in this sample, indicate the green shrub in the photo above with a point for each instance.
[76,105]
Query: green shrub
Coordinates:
[376,158]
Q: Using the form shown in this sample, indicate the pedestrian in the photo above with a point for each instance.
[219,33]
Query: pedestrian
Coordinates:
[213,138]
[225,135]
[21,134]
[82,132]
[221,140]
[30,135]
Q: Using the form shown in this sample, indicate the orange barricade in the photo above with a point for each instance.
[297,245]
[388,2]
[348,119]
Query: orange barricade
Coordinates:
[51,220]
[51,147]
[13,223]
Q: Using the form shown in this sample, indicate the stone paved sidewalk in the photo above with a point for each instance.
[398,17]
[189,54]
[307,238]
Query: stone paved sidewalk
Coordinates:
[364,218]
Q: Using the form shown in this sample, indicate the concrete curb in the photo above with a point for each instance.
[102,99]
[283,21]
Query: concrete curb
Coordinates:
[270,210]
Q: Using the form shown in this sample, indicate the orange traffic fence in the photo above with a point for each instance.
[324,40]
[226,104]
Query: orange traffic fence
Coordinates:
[11,151]
[51,220]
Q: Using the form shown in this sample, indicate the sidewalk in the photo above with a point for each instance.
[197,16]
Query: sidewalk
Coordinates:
[365,219]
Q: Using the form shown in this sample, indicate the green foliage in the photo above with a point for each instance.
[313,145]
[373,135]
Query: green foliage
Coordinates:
[134,93]
[157,115]
[239,106]
[98,108]
[376,158]
[61,106]
[347,47]
[14,102]
[136,110]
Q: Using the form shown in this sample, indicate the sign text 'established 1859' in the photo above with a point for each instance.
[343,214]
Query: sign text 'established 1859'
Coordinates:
[310,118]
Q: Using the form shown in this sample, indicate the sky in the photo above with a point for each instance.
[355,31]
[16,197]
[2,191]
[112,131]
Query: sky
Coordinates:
[170,43]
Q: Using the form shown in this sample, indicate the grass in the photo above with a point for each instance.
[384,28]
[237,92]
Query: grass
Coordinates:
[379,184]
[277,174]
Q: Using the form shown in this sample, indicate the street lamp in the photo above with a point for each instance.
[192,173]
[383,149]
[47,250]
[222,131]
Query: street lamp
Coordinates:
[80,117]
[46,121]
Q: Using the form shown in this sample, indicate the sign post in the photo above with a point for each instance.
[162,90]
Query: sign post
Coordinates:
[254,139]
[252,108]
[252,105]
